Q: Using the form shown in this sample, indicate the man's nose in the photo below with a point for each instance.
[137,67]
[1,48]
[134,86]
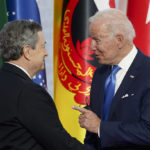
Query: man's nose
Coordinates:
[93,45]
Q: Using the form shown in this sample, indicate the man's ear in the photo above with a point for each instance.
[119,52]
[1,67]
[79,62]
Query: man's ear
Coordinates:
[26,52]
[120,40]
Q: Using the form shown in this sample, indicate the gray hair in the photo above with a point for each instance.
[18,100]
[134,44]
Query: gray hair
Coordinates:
[117,22]
[15,35]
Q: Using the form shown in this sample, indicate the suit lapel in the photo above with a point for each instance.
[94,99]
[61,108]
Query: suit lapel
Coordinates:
[103,82]
[100,88]
[128,80]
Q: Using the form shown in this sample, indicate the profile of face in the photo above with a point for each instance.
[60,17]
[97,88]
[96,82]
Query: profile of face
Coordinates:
[104,44]
[38,54]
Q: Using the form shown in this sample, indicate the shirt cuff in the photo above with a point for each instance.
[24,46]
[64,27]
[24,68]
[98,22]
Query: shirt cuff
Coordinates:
[99,131]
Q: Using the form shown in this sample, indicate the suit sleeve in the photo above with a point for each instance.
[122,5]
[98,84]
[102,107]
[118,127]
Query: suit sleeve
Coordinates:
[38,114]
[122,134]
[92,140]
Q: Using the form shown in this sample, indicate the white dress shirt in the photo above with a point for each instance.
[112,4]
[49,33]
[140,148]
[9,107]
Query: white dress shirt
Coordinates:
[124,64]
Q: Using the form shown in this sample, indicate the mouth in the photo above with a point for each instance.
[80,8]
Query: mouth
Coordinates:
[96,56]
[99,54]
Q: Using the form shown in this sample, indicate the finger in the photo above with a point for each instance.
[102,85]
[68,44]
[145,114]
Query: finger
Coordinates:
[82,119]
[81,124]
[81,116]
[82,110]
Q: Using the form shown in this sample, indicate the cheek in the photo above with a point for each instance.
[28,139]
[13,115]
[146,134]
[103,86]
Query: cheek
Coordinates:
[113,54]
[105,46]
[109,53]
[111,47]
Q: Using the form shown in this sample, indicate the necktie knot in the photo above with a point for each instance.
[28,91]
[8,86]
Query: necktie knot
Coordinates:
[115,69]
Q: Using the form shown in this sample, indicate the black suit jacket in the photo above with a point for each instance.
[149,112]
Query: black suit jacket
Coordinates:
[28,116]
[128,124]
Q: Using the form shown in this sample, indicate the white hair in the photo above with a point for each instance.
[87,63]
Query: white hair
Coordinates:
[116,21]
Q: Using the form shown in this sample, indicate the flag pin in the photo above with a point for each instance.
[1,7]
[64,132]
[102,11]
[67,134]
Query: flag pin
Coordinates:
[131,76]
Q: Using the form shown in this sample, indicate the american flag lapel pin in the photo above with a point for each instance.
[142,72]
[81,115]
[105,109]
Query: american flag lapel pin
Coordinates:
[131,76]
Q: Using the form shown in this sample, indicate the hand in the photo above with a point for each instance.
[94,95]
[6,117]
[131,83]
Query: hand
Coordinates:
[88,119]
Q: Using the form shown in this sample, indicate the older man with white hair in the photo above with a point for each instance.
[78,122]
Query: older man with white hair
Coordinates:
[120,94]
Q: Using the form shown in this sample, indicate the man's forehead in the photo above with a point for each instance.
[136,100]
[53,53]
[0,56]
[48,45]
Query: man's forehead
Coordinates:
[99,29]
[40,35]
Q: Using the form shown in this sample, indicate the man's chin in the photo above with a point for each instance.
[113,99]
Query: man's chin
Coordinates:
[42,67]
[102,62]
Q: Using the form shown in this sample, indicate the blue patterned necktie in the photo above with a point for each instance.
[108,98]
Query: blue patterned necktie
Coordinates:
[109,91]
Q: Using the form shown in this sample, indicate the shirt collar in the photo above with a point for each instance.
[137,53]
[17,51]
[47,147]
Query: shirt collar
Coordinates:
[20,68]
[127,60]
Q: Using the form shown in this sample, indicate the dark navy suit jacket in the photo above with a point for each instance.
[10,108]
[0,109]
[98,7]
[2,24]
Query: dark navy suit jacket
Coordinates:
[28,116]
[128,124]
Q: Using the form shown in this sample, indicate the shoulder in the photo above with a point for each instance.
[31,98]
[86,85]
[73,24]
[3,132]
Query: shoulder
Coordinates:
[145,58]
[33,88]
[33,95]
